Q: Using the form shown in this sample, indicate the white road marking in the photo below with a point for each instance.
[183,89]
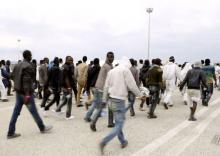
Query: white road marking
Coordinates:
[177,149]
[170,134]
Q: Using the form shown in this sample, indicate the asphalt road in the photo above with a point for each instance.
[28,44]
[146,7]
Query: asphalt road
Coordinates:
[171,134]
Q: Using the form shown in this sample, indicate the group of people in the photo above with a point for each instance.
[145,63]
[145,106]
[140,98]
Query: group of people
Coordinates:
[108,87]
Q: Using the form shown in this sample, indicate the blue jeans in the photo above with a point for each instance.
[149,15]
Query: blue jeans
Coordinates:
[93,106]
[97,99]
[118,108]
[131,100]
[17,109]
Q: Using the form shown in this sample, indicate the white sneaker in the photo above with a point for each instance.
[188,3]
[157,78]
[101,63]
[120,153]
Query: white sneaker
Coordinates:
[44,113]
[69,118]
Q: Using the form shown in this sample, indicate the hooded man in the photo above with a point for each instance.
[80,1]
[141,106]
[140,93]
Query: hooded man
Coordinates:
[118,83]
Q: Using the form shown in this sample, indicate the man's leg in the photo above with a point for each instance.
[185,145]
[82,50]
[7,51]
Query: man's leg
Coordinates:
[192,112]
[33,110]
[16,113]
[79,91]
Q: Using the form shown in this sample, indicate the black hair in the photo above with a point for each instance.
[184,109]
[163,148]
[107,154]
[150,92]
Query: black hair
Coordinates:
[132,61]
[110,53]
[26,54]
[96,61]
[84,59]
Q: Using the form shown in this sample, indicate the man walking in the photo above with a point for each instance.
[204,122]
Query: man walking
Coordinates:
[23,77]
[193,79]
[119,81]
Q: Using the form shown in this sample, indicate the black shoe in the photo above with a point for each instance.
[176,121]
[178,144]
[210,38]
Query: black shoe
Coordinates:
[124,144]
[93,127]
[46,129]
[192,119]
[15,135]
[5,100]
[151,116]
[80,105]
[111,125]
[185,103]
[165,106]
[101,148]
[132,114]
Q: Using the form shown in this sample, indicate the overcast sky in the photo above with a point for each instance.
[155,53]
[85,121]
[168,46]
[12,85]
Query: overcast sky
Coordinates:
[186,29]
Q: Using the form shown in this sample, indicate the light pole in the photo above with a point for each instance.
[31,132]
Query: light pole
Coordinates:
[149,11]
[19,47]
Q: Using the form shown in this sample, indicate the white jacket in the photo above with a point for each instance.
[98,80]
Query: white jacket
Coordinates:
[118,82]
[171,71]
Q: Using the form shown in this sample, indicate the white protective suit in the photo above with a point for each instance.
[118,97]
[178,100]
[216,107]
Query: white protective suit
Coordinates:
[170,72]
[2,89]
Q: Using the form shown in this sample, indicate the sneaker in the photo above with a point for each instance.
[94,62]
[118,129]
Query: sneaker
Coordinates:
[45,113]
[79,105]
[93,127]
[111,125]
[124,144]
[69,118]
[47,129]
[165,106]
[141,109]
[15,135]
[151,116]
[192,119]
[101,148]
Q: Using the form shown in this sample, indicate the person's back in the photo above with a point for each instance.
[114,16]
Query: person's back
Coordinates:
[209,72]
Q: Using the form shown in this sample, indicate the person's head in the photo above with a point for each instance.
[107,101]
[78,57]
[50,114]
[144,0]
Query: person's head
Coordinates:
[202,62]
[132,62]
[60,60]
[141,61]
[172,59]
[146,62]
[135,62]
[3,62]
[69,60]
[91,63]
[8,62]
[152,61]
[207,62]
[84,58]
[34,62]
[96,61]
[197,64]
[27,55]
[56,61]
[110,57]
[41,62]
[157,61]
[46,60]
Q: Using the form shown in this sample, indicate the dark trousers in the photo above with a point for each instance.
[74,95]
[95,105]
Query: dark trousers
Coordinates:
[154,98]
[56,99]
[46,96]
[17,109]
[67,99]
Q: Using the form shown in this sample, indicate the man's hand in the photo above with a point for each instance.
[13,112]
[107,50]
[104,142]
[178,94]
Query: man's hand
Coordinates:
[27,99]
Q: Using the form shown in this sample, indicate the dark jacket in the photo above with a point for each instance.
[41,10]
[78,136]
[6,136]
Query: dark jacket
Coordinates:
[93,73]
[154,76]
[194,78]
[23,77]
[67,72]
[54,78]
[143,74]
